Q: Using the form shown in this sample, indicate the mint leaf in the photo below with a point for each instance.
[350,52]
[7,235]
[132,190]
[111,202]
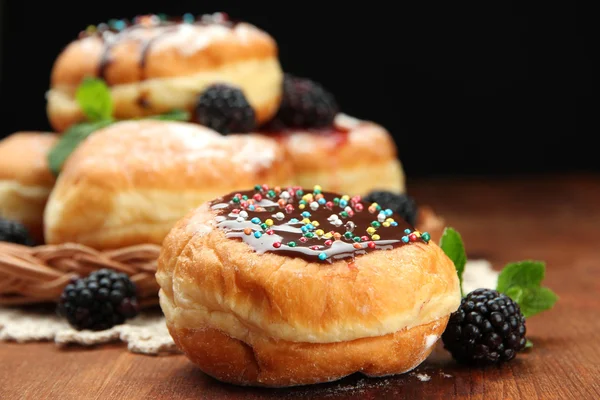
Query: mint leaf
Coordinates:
[94,99]
[535,300]
[516,293]
[69,142]
[528,273]
[175,115]
[528,344]
[452,244]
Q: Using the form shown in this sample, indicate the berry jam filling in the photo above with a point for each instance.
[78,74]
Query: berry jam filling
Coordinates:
[315,225]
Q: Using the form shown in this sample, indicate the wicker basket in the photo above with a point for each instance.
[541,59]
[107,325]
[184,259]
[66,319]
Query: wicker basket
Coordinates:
[39,274]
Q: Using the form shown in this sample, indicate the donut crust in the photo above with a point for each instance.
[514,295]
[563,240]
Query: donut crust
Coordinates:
[353,157]
[157,69]
[272,320]
[25,178]
[129,183]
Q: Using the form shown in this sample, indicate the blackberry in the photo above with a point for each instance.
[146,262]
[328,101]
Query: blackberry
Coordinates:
[225,109]
[401,204]
[487,328]
[305,104]
[15,232]
[102,300]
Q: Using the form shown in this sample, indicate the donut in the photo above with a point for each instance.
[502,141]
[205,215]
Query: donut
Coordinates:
[307,287]
[25,178]
[154,65]
[350,156]
[129,183]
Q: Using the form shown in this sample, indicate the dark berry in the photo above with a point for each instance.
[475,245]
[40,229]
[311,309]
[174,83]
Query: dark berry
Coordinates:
[225,109]
[14,232]
[102,300]
[305,104]
[401,204]
[487,328]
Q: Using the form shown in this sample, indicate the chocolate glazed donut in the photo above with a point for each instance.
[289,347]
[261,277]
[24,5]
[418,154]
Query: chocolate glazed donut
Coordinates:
[154,65]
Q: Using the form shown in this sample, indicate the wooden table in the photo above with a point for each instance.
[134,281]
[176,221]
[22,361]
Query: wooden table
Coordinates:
[555,218]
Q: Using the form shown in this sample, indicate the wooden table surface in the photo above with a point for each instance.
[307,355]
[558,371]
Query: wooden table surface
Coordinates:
[556,219]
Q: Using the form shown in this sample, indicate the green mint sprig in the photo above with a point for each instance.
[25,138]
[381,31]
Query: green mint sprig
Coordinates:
[452,244]
[69,142]
[521,281]
[93,96]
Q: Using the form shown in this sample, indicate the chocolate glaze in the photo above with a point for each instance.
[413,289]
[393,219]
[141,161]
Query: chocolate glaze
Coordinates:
[237,217]
[113,33]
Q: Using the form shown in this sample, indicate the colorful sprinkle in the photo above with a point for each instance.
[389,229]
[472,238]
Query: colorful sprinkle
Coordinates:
[308,208]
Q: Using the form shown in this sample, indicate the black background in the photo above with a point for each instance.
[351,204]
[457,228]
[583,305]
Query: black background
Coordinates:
[478,88]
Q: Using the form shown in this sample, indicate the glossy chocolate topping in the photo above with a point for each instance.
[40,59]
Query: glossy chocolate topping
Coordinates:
[314,225]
